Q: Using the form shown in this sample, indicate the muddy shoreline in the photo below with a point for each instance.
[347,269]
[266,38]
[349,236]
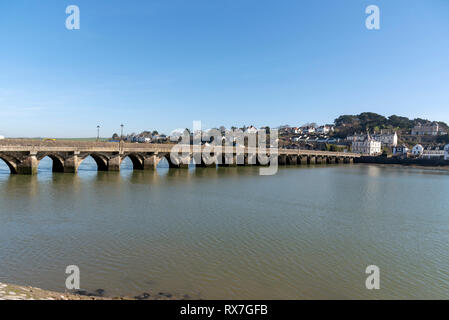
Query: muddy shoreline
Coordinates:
[16,292]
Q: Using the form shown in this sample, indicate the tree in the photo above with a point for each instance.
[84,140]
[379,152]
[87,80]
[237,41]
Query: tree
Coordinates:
[346,120]
[443,139]
[115,136]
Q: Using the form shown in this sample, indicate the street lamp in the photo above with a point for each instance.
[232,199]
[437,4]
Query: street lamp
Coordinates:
[121,135]
[98,133]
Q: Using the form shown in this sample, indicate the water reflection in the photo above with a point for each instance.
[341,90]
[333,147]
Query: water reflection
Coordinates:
[228,233]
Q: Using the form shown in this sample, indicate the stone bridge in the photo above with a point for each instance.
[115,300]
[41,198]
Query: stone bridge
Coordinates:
[23,156]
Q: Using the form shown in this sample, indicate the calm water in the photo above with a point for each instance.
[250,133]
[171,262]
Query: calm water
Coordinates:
[229,233]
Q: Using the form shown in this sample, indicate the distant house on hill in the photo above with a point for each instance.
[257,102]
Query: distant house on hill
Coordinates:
[308,130]
[325,129]
[422,130]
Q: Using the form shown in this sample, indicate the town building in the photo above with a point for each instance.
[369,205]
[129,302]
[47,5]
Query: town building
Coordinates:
[389,139]
[433,153]
[368,146]
[325,129]
[308,130]
[386,138]
[420,130]
[400,150]
[446,152]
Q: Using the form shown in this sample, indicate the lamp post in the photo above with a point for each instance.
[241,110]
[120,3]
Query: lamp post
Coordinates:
[98,133]
[121,135]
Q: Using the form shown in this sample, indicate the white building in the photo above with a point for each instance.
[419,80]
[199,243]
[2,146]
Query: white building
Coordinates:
[143,139]
[436,153]
[368,146]
[446,152]
[417,150]
[2,137]
[388,139]
[325,129]
[421,130]
[308,130]
[400,150]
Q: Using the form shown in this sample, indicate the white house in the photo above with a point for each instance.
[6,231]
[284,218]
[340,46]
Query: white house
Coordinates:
[325,129]
[417,150]
[368,146]
[436,153]
[143,139]
[446,152]
[400,150]
[389,139]
[308,130]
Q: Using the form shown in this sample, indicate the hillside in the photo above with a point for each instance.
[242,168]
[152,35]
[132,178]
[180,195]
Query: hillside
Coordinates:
[349,124]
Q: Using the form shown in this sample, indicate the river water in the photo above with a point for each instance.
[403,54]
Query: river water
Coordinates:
[228,233]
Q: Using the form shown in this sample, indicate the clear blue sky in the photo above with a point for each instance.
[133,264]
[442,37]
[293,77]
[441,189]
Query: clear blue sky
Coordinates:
[162,64]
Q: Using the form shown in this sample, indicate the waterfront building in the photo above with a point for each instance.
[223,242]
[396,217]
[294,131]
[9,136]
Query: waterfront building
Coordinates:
[386,138]
[420,130]
[400,150]
[389,139]
[433,153]
[446,152]
[368,146]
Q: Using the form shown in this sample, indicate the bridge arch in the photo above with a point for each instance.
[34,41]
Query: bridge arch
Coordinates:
[57,161]
[10,163]
[136,159]
[100,159]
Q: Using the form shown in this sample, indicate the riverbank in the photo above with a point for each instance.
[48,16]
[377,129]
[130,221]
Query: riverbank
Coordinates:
[15,292]
[418,163]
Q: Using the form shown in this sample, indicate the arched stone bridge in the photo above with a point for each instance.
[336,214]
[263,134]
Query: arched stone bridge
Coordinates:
[23,156]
